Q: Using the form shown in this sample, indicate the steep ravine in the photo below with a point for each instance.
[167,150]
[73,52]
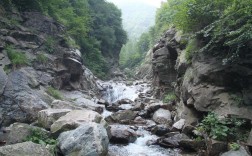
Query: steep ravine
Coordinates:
[54,96]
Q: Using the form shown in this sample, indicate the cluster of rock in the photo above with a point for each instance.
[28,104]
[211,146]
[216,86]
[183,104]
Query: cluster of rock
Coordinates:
[205,84]
[23,86]
[26,103]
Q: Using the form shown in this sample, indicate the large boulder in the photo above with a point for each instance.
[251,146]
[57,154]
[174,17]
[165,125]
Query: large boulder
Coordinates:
[19,132]
[90,139]
[162,116]
[74,119]
[122,134]
[26,148]
[48,116]
[20,102]
[125,116]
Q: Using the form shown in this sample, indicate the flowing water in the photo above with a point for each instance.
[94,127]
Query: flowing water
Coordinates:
[114,91]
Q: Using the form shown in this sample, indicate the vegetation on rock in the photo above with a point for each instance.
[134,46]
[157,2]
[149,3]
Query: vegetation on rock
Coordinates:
[95,25]
[223,129]
[17,58]
[54,93]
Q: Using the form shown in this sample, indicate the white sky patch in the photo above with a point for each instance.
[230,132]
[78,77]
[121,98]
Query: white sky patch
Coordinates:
[155,3]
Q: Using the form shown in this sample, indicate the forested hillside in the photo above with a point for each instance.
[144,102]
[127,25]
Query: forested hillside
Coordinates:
[219,27]
[94,25]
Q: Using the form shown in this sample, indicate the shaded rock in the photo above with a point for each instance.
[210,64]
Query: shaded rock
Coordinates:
[151,108]
[138,106]
[124,116]
[139,120]
[241,152]
[26,148]
[161,129]
[173,141]
[48,116]
[216,147]
[188,129]
[74,119]
[162,116]
[125,101]
[113,108]
[192,145]
[122,134]
[3,80]
[90,139]
[178,125]
[18,132]
[103,102]
[250,138]
[26,36]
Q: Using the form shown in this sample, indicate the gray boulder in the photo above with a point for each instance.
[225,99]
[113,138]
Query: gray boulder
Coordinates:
[125,116]
[74,119]
[24,149]
[90,139]
[179,124]
[122,134]
[48,116]
[162,116]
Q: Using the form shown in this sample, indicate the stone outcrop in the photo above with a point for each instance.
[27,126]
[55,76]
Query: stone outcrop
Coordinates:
[164,58]
[50,62]
[204,84]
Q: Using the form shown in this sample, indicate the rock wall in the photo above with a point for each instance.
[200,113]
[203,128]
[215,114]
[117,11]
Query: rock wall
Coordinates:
[205,84]
[51,62]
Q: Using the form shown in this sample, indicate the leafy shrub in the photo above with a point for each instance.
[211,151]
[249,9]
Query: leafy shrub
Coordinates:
[191,49]
[40,137]
[237,99]
[17,58]
[41,58]
[234,146]
[169,97]
[222,129]
[50,45]
[54,93]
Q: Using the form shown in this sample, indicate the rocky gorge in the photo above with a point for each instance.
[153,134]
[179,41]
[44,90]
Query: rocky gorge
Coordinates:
[51,104]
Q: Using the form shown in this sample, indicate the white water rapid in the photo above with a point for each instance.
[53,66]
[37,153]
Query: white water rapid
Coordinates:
[114,91]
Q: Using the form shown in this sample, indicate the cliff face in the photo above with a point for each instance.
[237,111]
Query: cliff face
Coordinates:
[204,85]
[35,54]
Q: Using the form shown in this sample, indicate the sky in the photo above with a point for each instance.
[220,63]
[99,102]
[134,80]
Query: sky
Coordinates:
[155,3]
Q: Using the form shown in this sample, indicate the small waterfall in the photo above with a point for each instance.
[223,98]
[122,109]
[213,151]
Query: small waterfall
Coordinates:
[114,91]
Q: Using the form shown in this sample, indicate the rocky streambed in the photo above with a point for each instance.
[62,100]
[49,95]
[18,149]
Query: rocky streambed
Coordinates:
[125,121]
